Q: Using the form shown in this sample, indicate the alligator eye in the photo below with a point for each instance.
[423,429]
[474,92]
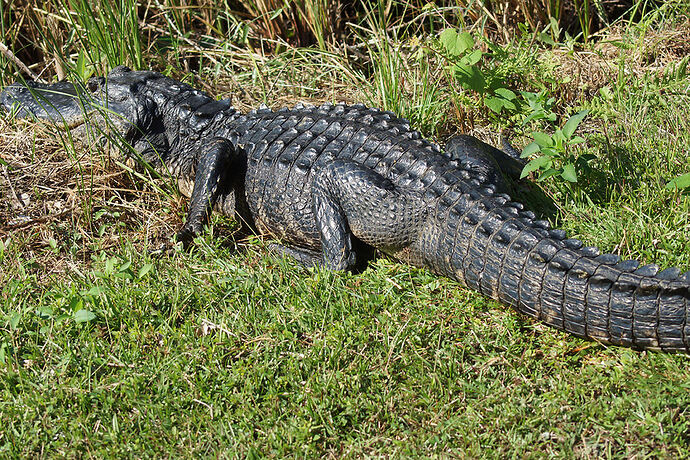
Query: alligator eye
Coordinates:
[94,83]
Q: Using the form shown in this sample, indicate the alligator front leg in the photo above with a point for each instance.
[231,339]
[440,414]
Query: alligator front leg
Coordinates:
[354,204]
[214,160]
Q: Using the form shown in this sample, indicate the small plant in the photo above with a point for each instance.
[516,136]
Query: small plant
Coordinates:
[551,153]
[466,69]
[539,107]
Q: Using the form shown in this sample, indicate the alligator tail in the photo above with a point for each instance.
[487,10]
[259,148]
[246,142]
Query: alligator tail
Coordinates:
[501,251]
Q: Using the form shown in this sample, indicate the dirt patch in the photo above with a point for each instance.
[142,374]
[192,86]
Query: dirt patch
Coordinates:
[66,200]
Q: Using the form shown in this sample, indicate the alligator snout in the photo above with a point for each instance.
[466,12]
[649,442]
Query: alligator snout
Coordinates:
[60,103]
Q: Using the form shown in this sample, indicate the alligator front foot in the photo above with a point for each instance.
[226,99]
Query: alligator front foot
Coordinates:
[184,236]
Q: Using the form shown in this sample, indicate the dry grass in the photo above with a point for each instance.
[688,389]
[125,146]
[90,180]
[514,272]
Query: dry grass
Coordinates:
[66,201]
[584,72]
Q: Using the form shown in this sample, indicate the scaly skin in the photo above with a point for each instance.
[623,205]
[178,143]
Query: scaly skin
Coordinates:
[333,182]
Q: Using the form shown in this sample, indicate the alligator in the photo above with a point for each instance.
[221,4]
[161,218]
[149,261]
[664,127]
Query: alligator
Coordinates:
[332,183]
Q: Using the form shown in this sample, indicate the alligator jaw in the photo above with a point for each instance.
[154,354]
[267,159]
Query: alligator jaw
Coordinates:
[64,104]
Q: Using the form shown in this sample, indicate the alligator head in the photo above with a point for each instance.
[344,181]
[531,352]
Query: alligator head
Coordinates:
[116,104]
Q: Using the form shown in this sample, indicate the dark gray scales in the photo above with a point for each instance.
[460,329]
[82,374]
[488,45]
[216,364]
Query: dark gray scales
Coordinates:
[334,183]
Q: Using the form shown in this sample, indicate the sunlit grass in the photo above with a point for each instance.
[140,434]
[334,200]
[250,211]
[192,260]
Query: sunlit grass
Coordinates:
[109,348]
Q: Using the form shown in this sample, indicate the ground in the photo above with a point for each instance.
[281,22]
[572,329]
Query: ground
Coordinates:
[108,348]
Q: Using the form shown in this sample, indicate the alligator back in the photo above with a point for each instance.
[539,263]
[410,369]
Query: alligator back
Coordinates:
[286,148]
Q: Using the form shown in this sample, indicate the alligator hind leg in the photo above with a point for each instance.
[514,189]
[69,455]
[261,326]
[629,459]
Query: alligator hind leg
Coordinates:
[353,204]
[497,166]
[215,159]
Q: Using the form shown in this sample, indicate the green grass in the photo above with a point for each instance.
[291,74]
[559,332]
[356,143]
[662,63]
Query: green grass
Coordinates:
[216,353]
[109,349]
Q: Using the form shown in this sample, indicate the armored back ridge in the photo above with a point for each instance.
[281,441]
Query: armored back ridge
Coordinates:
[335,182]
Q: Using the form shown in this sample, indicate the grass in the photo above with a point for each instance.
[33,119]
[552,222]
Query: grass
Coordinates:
[108,348]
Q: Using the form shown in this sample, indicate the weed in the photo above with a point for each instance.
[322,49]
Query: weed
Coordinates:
[552,154]
[467,69]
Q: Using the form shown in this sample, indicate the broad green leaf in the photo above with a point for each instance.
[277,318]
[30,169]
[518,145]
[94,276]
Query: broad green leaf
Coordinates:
[76,303]
[465,41]
[456,42]
[472,58]
[529,149]
[448,39]
[533,165]
[548,152]
[542,139]
[127,275]
[569,173]
[494,103]
[144,270]
[571,125]
[110,265]
[548,173]
[606,93]
[679,183]
[14,319]
[470,78]
[576,140]
[95,291]
[45,311]
[546,38]
[533,116]
[83,316]
[531,98]
[505,93]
